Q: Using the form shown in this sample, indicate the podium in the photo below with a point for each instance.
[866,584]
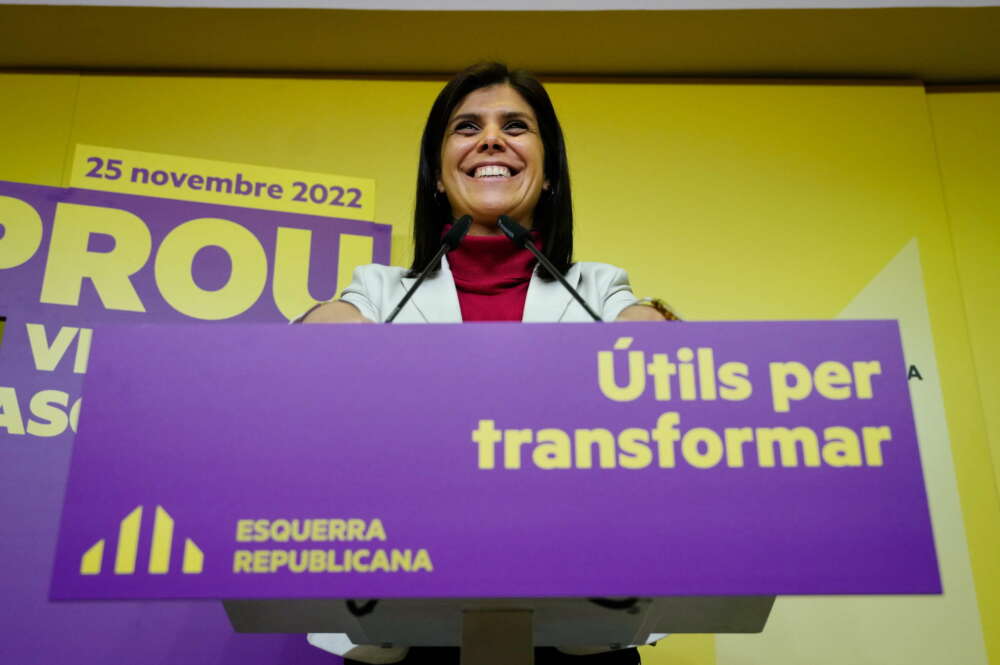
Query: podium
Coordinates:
[577,484]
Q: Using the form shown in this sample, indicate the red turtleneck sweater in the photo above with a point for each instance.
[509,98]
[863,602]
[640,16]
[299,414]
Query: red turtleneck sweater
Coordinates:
[491,275]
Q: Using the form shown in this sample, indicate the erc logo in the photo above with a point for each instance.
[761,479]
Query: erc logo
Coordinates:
[127,551]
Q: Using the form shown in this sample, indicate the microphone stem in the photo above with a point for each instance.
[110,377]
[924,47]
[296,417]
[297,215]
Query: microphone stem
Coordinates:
[420,279]
[530,246]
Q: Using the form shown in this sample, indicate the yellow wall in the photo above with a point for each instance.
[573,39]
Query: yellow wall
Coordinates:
[730,200]
[967,130]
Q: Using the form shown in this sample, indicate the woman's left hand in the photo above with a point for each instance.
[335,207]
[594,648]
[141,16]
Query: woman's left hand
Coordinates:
[640,313]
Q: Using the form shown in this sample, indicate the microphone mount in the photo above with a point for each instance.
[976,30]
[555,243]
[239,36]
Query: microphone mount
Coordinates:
[450,241]
[521,237]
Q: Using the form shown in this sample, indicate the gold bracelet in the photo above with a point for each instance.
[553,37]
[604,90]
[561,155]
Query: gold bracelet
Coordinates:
[660,307]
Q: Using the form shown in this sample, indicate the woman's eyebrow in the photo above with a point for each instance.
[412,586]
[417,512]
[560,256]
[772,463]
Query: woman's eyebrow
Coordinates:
[507,115]
[465,116]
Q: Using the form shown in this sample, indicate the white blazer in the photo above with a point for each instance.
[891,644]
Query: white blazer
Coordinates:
[376,289]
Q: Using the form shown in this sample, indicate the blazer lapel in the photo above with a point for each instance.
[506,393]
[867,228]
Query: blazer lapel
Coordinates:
[547,301]
[436,299]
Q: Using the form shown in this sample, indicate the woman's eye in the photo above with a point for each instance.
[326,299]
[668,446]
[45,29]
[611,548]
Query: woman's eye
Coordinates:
[516,125]
[466,126]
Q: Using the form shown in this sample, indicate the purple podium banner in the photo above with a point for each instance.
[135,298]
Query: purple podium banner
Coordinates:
[495,460]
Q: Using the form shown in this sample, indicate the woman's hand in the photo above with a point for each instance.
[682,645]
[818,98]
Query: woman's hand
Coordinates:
[337,311]
[640,313]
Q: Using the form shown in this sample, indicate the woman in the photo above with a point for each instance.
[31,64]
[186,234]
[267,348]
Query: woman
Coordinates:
[492,146]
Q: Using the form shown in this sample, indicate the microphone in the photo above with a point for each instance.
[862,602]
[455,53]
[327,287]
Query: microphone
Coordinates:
[450,241]
[521,237]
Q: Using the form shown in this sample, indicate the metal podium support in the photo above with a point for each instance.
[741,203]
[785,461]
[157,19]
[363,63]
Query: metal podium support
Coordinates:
[497,637]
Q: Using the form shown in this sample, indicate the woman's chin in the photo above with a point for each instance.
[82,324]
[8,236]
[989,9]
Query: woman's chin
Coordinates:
[489,216]
[484,225]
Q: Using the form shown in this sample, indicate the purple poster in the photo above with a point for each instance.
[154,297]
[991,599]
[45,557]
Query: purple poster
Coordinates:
[496,460]
[71,259]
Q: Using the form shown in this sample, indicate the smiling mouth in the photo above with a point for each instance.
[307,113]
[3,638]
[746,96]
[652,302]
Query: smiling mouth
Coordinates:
[492,171]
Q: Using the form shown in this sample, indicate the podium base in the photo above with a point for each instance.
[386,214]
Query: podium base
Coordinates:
[497,637]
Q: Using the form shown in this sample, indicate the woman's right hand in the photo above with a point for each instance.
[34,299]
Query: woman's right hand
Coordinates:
[336,311]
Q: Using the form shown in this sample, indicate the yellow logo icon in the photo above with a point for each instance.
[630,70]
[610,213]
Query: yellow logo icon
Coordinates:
[127,551]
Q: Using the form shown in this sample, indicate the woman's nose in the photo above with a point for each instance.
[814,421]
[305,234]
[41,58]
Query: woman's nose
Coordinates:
[491,142]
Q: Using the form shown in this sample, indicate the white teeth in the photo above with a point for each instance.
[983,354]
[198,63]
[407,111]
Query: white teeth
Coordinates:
[487,171]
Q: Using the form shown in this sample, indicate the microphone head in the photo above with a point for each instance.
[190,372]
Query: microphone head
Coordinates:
[517,233]
[457,231]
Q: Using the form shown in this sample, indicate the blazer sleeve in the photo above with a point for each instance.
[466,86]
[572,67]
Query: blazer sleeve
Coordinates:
[360,293]
[617,294]
[364,292]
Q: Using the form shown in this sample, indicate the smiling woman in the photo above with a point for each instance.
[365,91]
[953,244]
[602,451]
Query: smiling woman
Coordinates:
[492,146]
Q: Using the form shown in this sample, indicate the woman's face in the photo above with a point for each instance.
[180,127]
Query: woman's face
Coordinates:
[492,158]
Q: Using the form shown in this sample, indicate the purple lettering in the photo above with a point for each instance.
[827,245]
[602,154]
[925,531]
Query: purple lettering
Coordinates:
[211,182]
[243,187]
[96,171]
